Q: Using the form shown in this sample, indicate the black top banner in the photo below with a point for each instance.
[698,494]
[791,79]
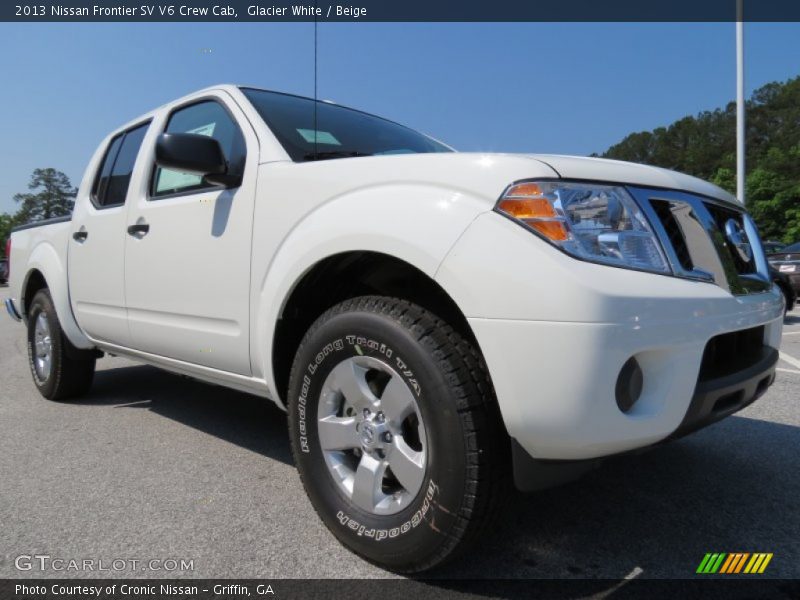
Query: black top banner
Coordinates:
[401,10]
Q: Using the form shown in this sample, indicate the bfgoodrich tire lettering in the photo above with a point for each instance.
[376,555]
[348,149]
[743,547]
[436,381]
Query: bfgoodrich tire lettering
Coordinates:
[60,371]
[459,436]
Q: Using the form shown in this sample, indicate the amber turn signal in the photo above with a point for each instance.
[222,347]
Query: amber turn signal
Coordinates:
[527,208]
[524,190]
[526,202]
[554,230]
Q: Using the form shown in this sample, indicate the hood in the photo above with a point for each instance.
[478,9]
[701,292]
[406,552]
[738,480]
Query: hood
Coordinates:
[617,171]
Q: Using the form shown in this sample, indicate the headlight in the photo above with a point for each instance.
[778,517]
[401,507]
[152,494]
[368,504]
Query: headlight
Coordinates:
[598,223]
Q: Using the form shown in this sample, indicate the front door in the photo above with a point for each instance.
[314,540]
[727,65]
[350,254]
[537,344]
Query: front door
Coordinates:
[187,262]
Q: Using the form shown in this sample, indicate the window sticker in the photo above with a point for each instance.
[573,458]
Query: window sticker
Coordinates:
[175,180]
[204,129]
[323,137]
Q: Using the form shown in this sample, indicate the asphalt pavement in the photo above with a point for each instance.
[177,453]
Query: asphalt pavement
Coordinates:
[155,467]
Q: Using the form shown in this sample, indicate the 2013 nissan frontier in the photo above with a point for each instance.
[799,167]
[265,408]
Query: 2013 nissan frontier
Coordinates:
[437,324]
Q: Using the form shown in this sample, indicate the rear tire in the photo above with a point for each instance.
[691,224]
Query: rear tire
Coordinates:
[417,462]
[60,370]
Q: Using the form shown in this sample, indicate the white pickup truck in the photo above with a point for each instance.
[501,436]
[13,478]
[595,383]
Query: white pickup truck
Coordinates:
[434,322]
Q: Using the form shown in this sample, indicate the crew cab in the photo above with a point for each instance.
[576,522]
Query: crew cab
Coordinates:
[436,324]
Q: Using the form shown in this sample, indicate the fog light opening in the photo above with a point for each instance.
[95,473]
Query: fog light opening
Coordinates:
[629,385]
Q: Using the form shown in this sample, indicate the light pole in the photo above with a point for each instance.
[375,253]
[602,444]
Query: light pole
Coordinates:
[740,142]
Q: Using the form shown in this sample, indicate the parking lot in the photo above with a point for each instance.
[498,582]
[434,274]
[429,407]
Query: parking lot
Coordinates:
[152,466]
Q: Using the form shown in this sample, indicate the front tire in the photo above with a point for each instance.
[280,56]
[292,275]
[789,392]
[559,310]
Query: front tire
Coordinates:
[396,433]
[60,371]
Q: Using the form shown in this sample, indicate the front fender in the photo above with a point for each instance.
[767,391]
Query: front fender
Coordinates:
[416,223]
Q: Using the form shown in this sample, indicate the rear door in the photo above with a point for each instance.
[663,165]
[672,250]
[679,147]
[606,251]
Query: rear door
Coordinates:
[187,261]
[97,243]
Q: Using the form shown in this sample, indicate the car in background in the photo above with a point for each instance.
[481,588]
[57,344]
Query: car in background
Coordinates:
[787,262]
[3,271]
[773,247]
[784,283]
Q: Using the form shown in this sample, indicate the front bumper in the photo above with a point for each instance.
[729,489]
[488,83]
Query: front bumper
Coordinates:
[714,399]
[556,382]
[718,397]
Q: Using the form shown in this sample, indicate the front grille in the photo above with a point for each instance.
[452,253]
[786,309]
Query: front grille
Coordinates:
[731,352]
[721,216]
[700,243]
[676,238]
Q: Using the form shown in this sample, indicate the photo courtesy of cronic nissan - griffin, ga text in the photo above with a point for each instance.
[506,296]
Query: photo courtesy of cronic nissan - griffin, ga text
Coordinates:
[438,325]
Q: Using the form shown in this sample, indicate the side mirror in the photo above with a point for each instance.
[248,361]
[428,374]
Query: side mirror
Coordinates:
[196,154]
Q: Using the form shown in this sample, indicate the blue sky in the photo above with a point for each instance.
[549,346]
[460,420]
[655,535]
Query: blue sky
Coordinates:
[520,87]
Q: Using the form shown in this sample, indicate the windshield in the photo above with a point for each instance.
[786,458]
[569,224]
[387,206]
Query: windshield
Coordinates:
[792,248]
[336,131]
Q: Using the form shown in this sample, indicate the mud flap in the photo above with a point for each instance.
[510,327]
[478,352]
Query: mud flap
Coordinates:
[532,475]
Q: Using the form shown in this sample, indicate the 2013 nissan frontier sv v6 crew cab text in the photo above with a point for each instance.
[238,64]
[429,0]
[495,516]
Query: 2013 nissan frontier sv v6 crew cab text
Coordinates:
[437,324]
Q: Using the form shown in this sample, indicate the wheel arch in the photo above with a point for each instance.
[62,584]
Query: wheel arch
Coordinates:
[34,281]
[46,270]
[347,275]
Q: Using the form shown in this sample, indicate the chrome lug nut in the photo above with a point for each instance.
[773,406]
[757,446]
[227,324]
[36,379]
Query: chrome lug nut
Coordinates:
[387,437]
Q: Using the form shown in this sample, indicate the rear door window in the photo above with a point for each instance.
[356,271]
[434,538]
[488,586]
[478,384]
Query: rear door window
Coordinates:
[111,185]
[104,174]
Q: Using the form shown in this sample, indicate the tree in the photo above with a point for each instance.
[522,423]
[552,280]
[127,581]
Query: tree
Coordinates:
[52,195]
[725,178]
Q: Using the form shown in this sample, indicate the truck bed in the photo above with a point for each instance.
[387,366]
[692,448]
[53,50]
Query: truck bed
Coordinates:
[39,245]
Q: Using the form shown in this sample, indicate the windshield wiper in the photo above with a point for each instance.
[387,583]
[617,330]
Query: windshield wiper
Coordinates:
[334,154]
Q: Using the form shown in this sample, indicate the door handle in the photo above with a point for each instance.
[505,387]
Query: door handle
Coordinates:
[139,230]
[80,235]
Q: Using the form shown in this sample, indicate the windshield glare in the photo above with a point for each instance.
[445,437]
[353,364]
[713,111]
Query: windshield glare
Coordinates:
[340,132]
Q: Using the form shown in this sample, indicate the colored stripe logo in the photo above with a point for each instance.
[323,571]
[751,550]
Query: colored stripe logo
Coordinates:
[734,563]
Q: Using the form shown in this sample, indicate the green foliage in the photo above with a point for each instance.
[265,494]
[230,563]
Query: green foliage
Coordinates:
[705,146]
[725,178]
[52,195]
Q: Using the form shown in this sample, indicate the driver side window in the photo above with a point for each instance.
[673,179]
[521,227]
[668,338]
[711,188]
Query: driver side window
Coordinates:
[204,118]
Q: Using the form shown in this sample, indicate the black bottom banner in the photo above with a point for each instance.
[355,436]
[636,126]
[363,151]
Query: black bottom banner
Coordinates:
[388,589]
